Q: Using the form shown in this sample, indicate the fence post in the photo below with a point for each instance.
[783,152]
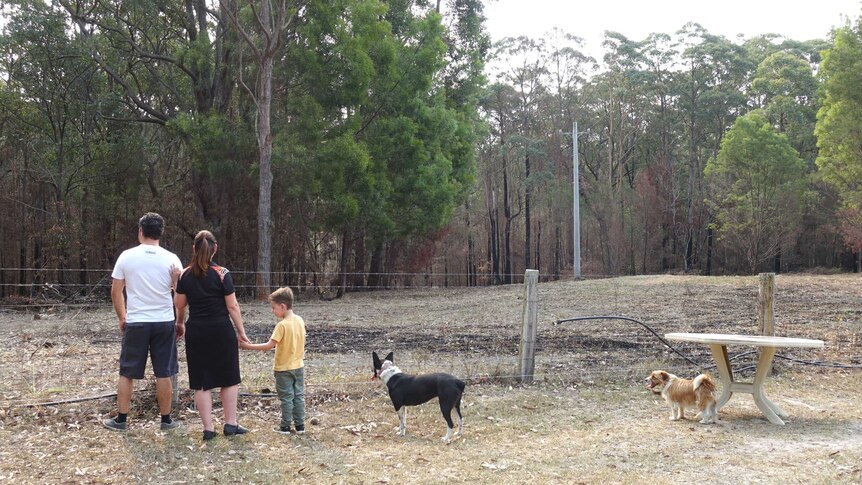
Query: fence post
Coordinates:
[528,327]
[175,398]
[766,306]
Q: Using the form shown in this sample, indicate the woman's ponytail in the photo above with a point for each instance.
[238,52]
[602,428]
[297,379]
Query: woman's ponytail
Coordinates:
[204,249]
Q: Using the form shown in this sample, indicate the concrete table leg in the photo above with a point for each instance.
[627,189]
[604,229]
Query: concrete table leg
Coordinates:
[719,353]
[767,407]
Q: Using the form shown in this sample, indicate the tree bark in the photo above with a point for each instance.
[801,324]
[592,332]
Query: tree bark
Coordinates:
[343,264]
[470,262]
[494,237]
[375,277]
[558,252]
[507,231]
[264,205]
[538,247]
[270,33]
[709,238]
[527,222]
[692,163]
[358,269]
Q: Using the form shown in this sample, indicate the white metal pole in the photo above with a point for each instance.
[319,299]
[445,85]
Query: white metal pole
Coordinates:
[577,200]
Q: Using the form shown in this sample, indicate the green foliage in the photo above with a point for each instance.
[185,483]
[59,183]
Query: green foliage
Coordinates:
[218,145]
[416,142]
[339,182]
[839,127]
[377,112]
[758,185]
[369,138]
[467,48]
[839,120]
[788,90]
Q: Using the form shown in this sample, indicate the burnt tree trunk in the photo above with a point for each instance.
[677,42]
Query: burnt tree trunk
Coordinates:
[507,232]
[558,252]
[494,238]
[343,264]
[471,257]
[538,247]
[375,271]
[527,221]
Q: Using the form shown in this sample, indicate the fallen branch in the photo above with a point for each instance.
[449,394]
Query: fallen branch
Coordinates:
[66,401]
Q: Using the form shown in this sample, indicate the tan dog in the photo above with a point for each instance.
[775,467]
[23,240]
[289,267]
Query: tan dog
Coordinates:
[682,393]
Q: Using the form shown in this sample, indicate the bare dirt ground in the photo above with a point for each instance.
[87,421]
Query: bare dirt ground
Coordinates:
[586,419]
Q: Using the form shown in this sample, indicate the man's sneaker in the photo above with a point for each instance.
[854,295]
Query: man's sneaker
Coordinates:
[300,429]
[174,424]
[113,425]
[208,435]
[234,429]
[283,429]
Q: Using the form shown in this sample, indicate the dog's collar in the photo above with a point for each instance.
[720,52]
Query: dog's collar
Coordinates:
[388,371]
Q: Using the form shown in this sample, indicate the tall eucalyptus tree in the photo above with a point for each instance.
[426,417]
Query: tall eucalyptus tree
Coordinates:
[525,72]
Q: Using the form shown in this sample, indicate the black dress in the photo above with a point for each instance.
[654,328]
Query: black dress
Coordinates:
[212,354]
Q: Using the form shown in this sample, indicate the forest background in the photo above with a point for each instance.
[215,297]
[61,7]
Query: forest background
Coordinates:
[337,145]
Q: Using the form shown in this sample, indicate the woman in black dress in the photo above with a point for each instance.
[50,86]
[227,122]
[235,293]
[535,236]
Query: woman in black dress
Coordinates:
[212,350]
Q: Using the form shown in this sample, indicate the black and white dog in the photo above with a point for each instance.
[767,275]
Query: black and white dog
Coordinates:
[407,390]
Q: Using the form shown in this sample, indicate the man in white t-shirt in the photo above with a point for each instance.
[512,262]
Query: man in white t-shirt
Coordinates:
[148,273]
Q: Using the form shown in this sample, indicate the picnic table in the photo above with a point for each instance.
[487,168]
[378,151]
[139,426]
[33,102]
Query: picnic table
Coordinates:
[718,343]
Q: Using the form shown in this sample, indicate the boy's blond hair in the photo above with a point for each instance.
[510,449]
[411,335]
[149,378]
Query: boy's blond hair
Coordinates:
[283,296]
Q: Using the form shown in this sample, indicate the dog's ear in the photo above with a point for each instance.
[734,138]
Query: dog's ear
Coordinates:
[376,359]
[665,376]
[389,357]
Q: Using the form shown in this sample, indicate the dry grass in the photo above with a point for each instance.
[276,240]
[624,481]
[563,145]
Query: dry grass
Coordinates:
[587,420]
[543,434]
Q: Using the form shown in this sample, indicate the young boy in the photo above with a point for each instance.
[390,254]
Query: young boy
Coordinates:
[288,338]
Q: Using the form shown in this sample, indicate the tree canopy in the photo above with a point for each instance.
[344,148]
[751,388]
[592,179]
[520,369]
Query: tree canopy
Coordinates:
[370,142]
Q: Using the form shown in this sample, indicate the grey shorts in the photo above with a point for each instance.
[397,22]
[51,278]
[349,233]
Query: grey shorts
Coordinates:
[158,339]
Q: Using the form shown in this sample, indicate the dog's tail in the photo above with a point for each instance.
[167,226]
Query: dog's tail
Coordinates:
[461,384]
[704,383]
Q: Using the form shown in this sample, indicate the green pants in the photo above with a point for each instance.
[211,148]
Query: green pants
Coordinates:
[290,385]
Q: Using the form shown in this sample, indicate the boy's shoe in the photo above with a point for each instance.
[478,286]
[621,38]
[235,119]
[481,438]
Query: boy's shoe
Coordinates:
[174,424]
[300,429]
[232,430]
[283,429]
[208,435]
[113,425]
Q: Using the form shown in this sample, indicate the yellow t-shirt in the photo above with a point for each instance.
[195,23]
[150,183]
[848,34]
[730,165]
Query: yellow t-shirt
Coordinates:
[289,335]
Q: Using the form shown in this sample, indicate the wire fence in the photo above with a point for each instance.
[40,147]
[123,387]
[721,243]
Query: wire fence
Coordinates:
[55,350]
[46,286]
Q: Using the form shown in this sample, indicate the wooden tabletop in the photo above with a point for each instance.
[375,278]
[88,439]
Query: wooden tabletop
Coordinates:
[756,340]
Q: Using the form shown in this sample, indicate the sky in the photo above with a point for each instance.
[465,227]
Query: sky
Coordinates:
[636,19]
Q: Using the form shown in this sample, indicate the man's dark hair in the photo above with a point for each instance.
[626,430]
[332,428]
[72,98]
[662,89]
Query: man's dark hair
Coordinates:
[152,225]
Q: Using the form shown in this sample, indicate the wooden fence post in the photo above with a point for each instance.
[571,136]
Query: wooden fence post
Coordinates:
[766,306]
[528,328]
[175,397]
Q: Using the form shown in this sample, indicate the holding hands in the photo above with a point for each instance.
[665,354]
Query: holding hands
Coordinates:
[243,340]
[247,345]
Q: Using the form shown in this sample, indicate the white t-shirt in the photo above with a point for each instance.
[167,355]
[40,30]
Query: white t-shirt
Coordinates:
[147,272]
